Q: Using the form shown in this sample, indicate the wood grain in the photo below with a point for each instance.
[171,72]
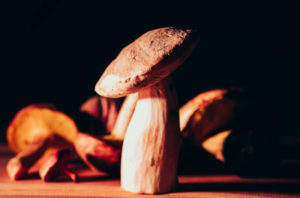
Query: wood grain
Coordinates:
[95,184]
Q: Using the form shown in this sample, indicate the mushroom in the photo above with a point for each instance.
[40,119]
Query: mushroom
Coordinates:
[99,154]
[36,122]
[124,116]
[211,111]
[19,166]
[152,140]
[104,153]
[102,110]
[55,165]
[215,144]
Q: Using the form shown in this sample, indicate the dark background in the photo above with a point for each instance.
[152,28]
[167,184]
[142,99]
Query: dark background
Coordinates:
[55,51]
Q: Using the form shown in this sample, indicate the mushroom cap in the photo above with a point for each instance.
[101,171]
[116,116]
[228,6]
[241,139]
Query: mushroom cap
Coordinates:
[146,61]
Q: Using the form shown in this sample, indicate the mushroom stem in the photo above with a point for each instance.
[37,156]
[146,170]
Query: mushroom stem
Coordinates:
[215,144]
[152,141]
[18,166]
[124,116]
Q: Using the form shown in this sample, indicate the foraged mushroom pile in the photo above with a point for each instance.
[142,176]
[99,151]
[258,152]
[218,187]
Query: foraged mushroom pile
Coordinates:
[140,139]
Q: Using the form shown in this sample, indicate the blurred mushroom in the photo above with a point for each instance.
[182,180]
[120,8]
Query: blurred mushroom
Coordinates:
[103,153]
[103,110]
[18,167]
[212,111]
[215,144]
[228,124]
[124,116]
[37,122]
[55,165]
[98,154]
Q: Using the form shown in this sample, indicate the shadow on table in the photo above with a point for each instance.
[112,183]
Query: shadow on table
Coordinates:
[284,187]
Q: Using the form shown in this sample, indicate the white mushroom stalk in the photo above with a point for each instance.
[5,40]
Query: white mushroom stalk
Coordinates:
[152,142]
[124,116]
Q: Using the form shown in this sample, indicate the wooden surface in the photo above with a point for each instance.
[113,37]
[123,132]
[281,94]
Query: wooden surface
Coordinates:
[95,184]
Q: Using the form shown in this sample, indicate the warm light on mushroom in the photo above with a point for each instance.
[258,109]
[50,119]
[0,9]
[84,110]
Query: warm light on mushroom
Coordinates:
[152,141]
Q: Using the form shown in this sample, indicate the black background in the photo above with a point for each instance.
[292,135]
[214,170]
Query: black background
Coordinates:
[55,51]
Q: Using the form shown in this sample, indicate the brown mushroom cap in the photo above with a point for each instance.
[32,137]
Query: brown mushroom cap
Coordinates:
[146,61]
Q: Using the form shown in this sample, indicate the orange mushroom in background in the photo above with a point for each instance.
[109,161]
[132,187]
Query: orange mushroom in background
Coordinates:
[38,123]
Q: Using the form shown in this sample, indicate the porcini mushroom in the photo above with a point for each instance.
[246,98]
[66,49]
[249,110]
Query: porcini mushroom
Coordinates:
[56,165]
[124,117]
[103,110]
[152,140]
[37,122]
[99,154]
[212,111]
[104,153]
[18,166]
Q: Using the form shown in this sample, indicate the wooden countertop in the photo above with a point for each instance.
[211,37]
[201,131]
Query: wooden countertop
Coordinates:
[94,184]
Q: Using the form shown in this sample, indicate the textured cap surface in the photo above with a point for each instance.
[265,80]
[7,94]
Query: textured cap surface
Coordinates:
[146,61]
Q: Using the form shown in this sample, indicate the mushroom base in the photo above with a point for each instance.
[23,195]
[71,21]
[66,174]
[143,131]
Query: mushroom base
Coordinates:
[152,142]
